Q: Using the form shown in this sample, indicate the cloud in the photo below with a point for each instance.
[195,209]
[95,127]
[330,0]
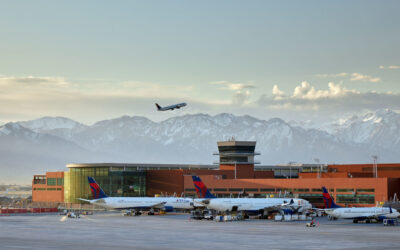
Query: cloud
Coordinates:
[240,97]
[336,98]
[332,75]
[23,98]
[31,81]
[234,86]
[352,77]
[365,78]
[306,91]
[241,91]
[390,67]
[276,92]
[30,97]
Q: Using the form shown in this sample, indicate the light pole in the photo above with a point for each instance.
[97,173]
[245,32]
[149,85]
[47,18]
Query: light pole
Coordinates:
[235,170]
[375,167]
[319,172]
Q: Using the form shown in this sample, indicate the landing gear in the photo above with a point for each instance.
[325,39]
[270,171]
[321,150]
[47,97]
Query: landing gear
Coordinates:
[151,212]
[331,218]
[132,213]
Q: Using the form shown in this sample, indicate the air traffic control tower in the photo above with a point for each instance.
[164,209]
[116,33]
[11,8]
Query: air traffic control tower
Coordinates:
[237,156]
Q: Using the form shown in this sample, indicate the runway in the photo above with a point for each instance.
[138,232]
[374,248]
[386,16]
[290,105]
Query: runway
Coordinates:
[177,231]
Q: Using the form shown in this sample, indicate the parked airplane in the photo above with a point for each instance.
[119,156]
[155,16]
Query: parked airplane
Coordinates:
[248,205]
[171,107]
[136,204]
[356,213]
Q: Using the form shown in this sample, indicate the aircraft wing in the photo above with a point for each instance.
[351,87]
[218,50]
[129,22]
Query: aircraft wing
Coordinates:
[202,201]
[159,205]
[199,203]
[291,206]
[90,201]
[155,205]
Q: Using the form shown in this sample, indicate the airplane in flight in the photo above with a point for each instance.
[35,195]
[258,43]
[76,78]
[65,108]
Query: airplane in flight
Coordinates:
[356,213]
[136,204]
[261,206]
[171,107]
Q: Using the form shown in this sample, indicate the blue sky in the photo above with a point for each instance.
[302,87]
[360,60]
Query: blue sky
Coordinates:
[299,60]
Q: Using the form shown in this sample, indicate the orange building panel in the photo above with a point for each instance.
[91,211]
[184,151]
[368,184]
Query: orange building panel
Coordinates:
[44,190]
[389,170]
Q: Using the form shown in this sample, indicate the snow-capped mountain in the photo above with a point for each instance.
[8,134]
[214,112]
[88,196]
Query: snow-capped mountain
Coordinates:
[24,152]
[51,142]
[379,129]
[58,126]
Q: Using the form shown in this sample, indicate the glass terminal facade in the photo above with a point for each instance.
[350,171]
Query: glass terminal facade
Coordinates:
[115,181]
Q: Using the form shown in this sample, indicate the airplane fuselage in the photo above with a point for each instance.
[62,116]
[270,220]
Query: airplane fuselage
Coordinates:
[171,107]
[168,203]
[363,213]
[255,204]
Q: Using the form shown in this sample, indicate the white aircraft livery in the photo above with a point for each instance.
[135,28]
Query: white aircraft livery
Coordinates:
[356,213]
[136,203]
[171,107]
[248,205]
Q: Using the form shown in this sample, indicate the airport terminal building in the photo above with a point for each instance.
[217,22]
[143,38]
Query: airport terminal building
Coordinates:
[236,173]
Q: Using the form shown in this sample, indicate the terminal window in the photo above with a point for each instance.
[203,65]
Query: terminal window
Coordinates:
[343,190]
[313,198]
[51,181]
[220,189]
[251,189]
[39,180]
[60,181]
[316,190]
[366,190]
[267,189]
[355,199]
[236,189]
[302,190]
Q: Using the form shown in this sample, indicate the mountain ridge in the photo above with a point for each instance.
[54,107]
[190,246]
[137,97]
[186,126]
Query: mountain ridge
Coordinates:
[54,141]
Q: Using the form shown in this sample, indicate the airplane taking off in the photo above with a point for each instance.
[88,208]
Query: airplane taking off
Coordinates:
[248,205]
[171,107]
[356,213]
[136,203]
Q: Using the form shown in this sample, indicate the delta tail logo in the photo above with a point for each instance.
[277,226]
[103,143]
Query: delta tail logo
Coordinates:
[328,201]
[97,192]
[201,189]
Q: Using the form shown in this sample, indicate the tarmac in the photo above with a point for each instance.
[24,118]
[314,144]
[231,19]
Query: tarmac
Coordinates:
[177,231]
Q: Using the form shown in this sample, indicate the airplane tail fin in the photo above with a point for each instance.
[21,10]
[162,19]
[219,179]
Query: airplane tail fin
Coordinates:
[97,192]
[201,189]
[328,200]
[158,106]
